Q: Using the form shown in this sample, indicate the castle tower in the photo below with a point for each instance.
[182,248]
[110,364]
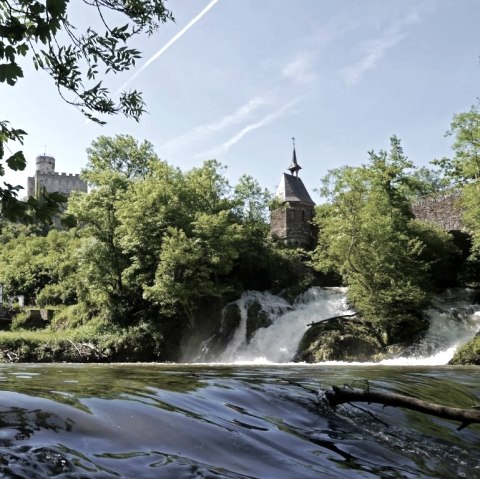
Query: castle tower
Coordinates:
[46,177]
[45,164]
[291,222]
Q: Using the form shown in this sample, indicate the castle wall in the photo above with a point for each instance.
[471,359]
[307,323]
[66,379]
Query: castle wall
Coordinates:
[60,182]
[45,164]
[278,223]
[46,177]
[31,186]
[441,209]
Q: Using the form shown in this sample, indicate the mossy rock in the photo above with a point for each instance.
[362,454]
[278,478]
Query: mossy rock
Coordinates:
[343,339]
[230,321]
[403,329]
[257,318]
[469,353]
[353,339]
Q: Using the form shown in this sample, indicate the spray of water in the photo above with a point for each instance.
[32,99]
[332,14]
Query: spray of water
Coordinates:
[453,321]
[278,343]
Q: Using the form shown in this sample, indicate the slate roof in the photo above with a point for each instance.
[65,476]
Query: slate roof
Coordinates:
[291,188]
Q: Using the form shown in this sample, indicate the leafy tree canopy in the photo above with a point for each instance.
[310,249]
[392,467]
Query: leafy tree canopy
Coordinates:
[76,60]
[464,170]
[367,235]
[464,167]
[155,240]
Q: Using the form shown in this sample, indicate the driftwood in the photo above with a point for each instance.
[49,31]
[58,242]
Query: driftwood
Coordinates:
[10,355]
[332,319]
[86,350]
[338,395]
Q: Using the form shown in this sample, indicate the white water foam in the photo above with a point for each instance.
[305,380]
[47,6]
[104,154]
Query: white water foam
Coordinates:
[272,305]
[278,343]
[453,321]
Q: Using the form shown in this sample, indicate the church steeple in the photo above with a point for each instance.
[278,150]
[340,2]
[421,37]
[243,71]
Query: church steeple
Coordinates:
[291,221]
[294,166]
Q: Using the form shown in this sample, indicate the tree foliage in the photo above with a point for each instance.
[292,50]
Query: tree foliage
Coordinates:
[367,234]
[113,165]
[76,60]
[464,170]
[194,267]
[464,166]
[42,268]
[155,241]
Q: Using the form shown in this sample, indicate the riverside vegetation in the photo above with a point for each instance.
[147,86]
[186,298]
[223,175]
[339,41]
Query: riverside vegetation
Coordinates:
[150,255]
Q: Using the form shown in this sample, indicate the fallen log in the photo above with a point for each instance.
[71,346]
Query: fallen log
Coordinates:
[333,318]
[337,395]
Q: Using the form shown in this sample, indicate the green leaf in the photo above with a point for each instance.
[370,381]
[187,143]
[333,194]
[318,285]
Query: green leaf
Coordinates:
[17,161]
[10,72]
[56,8]
[22,49]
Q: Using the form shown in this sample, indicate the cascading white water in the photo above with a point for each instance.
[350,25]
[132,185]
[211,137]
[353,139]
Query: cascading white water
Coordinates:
[453,320]
[278,343]
[272,305]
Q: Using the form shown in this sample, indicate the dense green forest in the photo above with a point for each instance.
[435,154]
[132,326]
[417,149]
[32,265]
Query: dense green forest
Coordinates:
[146,248]
[142,255]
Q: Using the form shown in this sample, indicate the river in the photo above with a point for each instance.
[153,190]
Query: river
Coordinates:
[250,418]
[204,421]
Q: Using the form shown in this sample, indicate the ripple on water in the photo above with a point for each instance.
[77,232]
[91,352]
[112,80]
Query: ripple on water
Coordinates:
[182,421]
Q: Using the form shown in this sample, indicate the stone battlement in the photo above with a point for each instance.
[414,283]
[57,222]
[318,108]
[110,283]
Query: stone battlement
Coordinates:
[46,177]
[56,173]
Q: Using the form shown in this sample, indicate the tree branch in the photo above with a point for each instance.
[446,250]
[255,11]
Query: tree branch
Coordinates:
[314,323]
[337,395]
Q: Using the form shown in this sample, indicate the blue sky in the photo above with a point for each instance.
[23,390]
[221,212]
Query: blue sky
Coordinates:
[239,78]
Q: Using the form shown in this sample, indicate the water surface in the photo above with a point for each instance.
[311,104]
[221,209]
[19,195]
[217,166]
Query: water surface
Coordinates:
[186,421]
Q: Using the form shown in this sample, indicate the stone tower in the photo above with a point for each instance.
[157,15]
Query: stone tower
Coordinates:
[46,177]
[45,164]
[291,222]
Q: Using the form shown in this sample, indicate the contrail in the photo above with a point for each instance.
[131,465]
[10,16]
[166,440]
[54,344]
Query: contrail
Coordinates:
[170,43]
[264,121]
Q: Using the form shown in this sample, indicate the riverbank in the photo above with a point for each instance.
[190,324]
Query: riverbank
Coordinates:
[315,327]
[85,344]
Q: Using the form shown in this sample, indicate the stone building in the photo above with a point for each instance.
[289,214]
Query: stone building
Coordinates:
[46,177]
[441,209]
[291,222]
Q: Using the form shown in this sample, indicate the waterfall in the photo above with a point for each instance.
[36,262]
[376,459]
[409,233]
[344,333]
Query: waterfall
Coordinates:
[454,319]
[274,307]
[278,342]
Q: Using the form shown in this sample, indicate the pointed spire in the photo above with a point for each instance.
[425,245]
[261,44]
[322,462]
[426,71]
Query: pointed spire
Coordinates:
[294,166]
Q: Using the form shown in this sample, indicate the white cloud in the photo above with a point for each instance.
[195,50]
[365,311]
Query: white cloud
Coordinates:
[376,49]
[254,114]
[265,120]
[202,132]
[300,70]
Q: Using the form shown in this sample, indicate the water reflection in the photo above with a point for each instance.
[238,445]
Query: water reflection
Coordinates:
[236,422]
[22,423]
